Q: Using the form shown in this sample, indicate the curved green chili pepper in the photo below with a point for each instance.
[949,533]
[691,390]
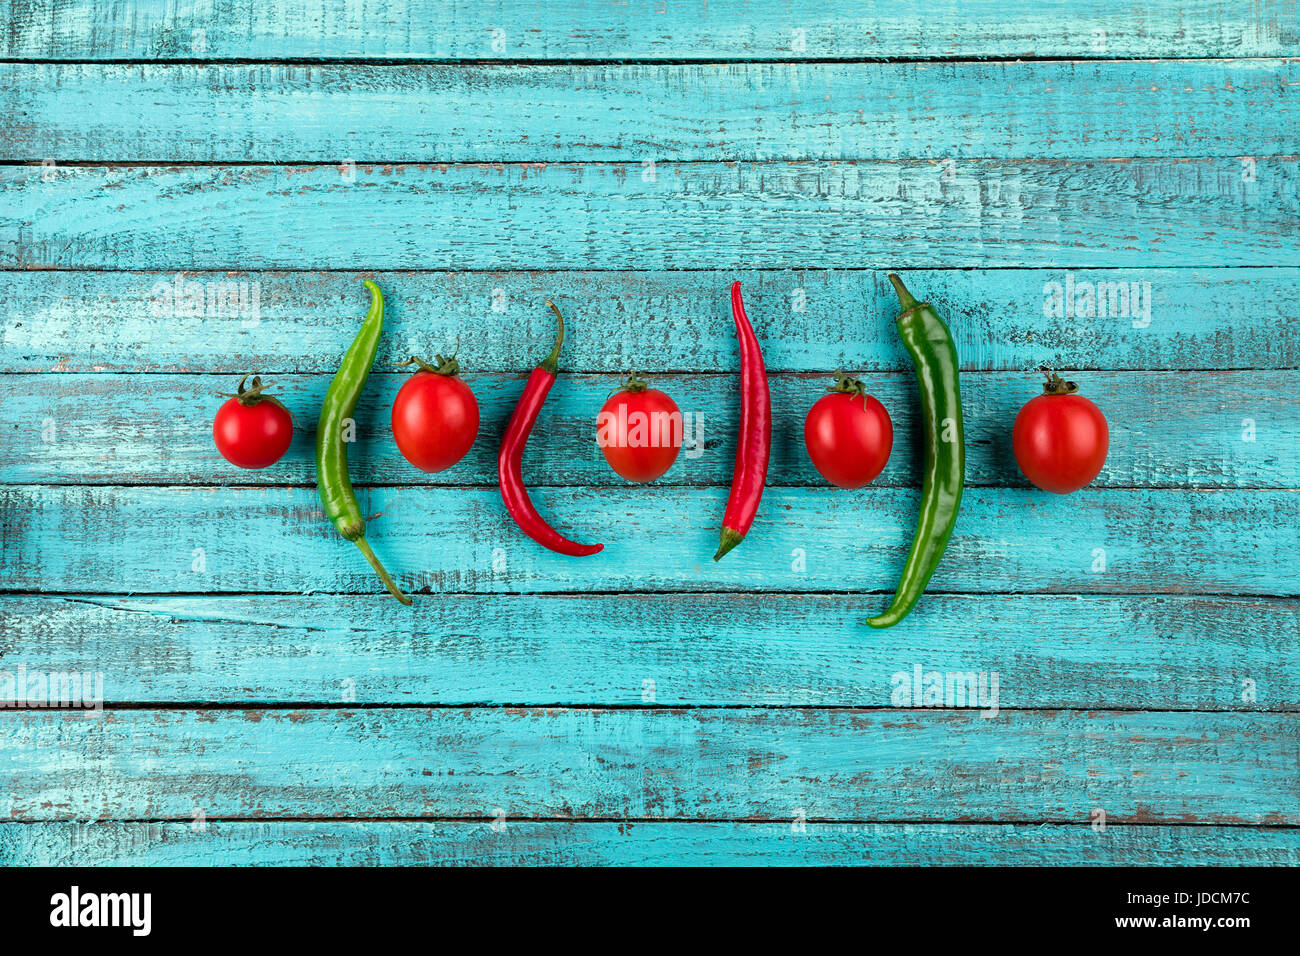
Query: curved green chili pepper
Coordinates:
[930,345]
[332,479]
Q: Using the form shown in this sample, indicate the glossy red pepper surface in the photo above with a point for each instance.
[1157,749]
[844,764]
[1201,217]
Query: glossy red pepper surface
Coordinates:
[510,458]
[755,440]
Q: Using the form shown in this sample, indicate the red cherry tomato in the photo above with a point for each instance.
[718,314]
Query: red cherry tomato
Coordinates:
[639,430]
[252,430]
[1060,439]
[848,435]
[435,417]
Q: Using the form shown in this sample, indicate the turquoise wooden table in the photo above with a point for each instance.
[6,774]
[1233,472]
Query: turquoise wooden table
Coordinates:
[193,191]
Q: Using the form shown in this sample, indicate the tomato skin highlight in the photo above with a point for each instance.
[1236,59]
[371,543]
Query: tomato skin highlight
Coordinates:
[254,435]
[639,433]
[1060,442]
[435,420]
[849,438]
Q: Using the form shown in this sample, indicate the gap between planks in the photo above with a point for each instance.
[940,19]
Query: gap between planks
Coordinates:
[536,163]
[83,597]
[621,61]
[653,821]
[256,705]
[482,270]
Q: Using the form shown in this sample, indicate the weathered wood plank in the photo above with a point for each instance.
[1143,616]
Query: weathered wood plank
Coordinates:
[738,763]
[566,843]
[807,321]
[1177,429]
[1108,214]
[631,113]
[663,29]
[273,539]
[660,650]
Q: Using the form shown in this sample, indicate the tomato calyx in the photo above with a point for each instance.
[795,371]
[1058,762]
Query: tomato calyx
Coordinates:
[255,394]
[252,394]
[248,395]
[847,385]
[633,383]
[444,366]
[1055,385]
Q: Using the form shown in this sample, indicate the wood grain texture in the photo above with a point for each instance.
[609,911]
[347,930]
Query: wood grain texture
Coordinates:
[643,29]
[734,764]
[1179,429]
[631,113]
[648,705]
[1107,214]
[273,540]
[567,843]
[648,650]
[811,320]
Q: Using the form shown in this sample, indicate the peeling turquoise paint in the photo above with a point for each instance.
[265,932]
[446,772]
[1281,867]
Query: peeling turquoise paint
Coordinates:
[1026,162]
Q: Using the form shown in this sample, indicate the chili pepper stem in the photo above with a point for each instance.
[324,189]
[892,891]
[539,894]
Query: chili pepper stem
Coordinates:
[905,299]
[384,576]
[552,362]
[728,540]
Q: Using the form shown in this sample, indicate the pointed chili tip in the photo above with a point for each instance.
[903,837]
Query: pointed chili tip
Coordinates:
[728,540]
[376,310]
[890,615]
[905,298]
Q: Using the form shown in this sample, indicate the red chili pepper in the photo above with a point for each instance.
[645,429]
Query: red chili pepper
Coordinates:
[755,440]
[509,460]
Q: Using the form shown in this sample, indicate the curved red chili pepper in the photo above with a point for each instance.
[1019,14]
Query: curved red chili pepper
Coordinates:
[510,458]
[755,442]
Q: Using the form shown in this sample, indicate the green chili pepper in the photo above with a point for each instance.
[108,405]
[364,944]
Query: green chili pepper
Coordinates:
[331,450]
[930,345]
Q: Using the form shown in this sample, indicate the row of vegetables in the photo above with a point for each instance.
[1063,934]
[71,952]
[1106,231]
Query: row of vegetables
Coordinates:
[1060,439]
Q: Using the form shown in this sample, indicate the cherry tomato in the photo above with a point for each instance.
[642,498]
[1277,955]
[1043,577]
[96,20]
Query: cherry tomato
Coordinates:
[848,435]
[1060,439]
[252,430]
[435,416]
[639,430]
